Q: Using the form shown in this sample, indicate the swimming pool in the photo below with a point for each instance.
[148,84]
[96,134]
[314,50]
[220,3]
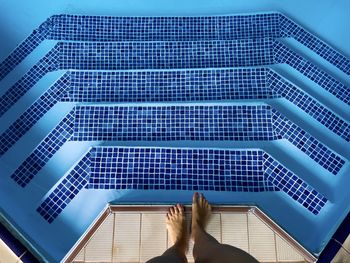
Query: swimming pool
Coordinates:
[104,115]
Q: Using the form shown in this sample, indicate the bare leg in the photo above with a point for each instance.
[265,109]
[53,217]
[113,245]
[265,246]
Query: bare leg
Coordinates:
[206,248]
[176,225]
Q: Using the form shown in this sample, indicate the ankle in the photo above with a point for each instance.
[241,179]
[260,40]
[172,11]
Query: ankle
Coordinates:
[198,224]
[181,247]
[197,229]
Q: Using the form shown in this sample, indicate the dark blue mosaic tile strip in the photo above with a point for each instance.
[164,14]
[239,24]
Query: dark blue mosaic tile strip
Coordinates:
[45,65]
[285,55]
[164,123]
[97,28]
[290,29]
[177,169]
[33,113]
[24,49]
[104,28]
[306,143]
[141,86]
[308,104]
[292,185]
[66,190]
[184,85]
[44,151]
[165,55]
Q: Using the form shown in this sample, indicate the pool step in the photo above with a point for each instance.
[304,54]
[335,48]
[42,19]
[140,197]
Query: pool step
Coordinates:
[198,122]
[122,168]
[171,86]
[169,55]
[284,54]
[83,28]
[137,89]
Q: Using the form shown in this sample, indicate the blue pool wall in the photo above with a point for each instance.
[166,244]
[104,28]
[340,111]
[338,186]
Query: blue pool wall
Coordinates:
[326,19]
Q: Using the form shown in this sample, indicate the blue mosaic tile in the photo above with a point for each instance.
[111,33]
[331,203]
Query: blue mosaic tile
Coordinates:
[213,84]
[138,55]
[65,191]
[33,114]
[162,86]
[121,168]
[165,55]
[164,123]
[44,151]
[291,29]
[292,185]
[305,102]
[307,144]
[102,28]
[120,86]
[24,48]
[106,28]
[48,63]
[173,43]
[285,55]
[177,169]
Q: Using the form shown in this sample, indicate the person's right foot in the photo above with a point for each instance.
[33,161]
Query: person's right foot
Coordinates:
[201,211]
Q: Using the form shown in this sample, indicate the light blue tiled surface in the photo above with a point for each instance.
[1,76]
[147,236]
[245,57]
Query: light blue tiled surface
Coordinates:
[184,61]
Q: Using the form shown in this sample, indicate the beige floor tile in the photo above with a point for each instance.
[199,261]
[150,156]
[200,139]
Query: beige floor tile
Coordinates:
[81,256]
[285,253]
[261,240]
[132,237]
[235,230]
[214,226]
[153,236]
[190,247]
[99,247]
[127,229]
[7,255]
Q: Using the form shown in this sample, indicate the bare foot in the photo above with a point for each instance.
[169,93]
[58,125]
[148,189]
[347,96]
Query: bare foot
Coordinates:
[201,211]
[176,225]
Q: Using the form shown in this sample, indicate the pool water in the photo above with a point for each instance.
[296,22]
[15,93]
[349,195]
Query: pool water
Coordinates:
[250,109]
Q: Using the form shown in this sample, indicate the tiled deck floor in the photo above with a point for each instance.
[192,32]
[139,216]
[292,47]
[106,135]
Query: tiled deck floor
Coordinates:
[139,236]
[343,255]
[7,255]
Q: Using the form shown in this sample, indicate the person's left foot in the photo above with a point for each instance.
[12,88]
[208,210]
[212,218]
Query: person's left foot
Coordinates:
[176,225]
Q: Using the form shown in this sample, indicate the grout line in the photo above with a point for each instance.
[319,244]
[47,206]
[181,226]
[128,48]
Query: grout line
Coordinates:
[19,258]
[246,215]
[345,249]
[141,216]
[275,241]
[84,253]
[220,227]
[282,234]
[113,236]
[167,238]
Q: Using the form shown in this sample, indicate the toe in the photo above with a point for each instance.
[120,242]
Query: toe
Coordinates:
[176,209]
[180,208]
[201,199]
[195,198]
